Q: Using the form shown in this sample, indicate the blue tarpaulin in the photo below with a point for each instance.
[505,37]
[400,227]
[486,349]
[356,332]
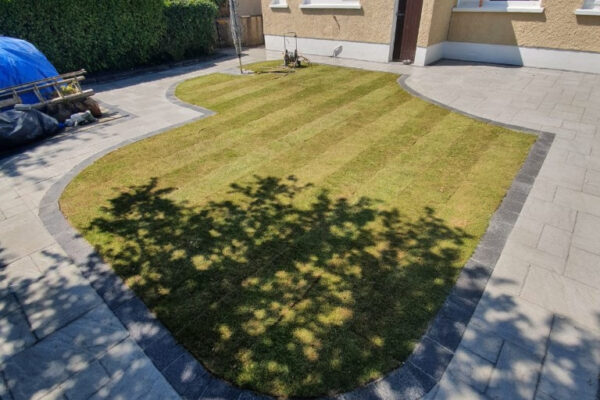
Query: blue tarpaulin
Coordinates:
[21,62]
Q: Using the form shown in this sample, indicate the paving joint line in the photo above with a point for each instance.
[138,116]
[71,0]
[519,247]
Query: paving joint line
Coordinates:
[547,348]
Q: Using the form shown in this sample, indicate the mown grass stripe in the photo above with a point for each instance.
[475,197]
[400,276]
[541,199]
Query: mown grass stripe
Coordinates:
[409,173]
[230,87]
[276,120]
[262,87]
[344,169]
[334,130]
[242,165]
[499,160]
[201,135]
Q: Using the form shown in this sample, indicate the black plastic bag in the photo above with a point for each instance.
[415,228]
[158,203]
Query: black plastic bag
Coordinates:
[22,127]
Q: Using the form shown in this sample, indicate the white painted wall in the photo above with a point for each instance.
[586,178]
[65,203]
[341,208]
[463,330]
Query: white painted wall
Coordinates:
[514,55]
[339,48]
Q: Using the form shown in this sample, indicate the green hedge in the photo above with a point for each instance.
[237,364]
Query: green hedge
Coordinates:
[190,28]
[111,34]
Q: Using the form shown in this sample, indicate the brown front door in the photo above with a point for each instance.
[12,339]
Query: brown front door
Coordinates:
[407,29]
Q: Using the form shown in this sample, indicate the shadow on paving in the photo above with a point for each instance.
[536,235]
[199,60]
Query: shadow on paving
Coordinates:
[515,349]
[280,298]
[120,80]
[59,340]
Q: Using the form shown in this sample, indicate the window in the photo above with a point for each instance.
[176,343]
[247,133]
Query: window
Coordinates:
[590,7]
[532,6]
[352,4]
[278,4]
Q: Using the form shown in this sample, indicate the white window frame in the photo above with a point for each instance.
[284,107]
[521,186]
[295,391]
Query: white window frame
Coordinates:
[331,4]
[279,4]
[589,7]
[518,6]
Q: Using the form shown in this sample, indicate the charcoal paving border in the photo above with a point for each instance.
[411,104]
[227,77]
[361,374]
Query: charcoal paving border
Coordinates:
[413,380]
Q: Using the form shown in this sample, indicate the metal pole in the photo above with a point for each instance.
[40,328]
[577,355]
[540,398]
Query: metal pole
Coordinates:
[236,35]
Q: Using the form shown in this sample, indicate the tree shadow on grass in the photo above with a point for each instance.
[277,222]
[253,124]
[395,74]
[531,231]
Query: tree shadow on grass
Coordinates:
[278,297]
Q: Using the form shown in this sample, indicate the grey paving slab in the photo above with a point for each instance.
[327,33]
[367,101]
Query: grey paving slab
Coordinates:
[56,299]
[534,255]
[53,258]
[561,377]
[427,355]
[563,296]
[41,368]
[4,394]
[22,236]
[580,144]
[516,374]
[581,127]
[17,274]
[84,384]
[555,241]
[15,334]
[527,230]
[141,380]
[482,342]
[452,388]
[587,233]
[591,185]
[583,267]
[120,357]
[405,383]
[515,320]
[509,276]
[471,368]
[8,304]
[579,200]
[547,212]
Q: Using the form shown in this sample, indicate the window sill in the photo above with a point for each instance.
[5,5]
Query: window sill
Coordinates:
[278,4]
[351,6]
[531,10]
[583,11]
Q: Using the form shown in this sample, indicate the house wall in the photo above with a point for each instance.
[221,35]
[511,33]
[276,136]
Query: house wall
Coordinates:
[435,21]
[371,24]
[364,34]
[556,38]
[556,28]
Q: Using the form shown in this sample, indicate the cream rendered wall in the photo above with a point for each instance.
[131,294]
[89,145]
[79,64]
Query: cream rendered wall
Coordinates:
[556,28]
[435,21]
[371,24]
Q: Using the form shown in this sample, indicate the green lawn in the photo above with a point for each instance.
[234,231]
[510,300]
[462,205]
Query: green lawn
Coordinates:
[298,242]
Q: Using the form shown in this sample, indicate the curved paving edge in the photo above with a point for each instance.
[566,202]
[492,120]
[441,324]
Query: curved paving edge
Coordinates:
[413,380]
